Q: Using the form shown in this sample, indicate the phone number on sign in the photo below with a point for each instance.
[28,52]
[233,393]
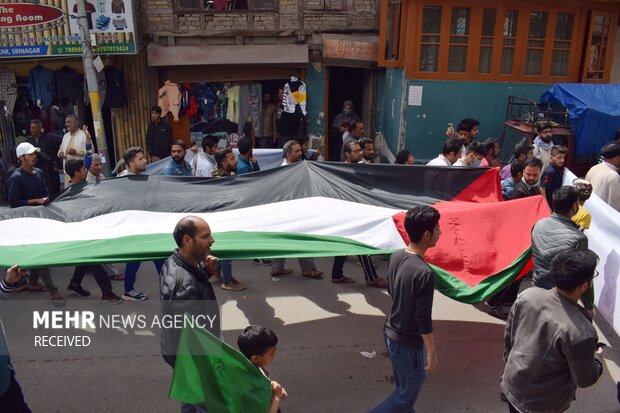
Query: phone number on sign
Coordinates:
[99,49]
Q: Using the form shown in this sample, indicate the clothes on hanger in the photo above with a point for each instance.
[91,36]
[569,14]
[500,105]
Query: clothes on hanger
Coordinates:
[42,86]
[232,114]
[8,89]
[116,92]
[294,94]
[188,101]
[69,84]
[170,99]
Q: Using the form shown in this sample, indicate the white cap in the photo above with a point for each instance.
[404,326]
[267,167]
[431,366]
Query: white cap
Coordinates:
[26,148]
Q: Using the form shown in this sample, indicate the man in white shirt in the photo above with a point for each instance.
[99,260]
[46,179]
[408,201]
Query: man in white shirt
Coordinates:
[292,152]
[450,152]
[134,161]
[73,144]
[605,177]
[475,151]
[203,163]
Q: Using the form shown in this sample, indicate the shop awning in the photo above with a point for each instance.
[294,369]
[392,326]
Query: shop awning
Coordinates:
[226,55]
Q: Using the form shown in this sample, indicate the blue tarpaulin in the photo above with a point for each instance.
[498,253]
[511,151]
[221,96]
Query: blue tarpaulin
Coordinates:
[594,112]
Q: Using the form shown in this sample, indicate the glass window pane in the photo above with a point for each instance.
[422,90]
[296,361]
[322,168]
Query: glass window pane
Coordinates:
[430,39]
[488,22]
[559,63]
[561,45]
[460,21]
[429,58]
[457,59]
[533,62]
[431,19]
[486,58]
[487,41]
[564,26]
[538,24]
[510,23]
[508,55]
[461,40]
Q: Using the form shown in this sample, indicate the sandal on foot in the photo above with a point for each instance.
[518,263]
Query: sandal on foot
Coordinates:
[316,274]
[117,277]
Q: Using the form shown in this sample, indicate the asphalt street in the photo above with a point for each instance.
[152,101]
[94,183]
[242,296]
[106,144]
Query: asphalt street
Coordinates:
[323,329]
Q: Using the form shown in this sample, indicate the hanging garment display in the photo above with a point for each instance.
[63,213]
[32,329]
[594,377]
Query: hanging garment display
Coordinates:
[8,89]
[188,101]
[116,91]
[69,84]
[42,86]
[294,94]
[232,114]
[250,108]
[170,99]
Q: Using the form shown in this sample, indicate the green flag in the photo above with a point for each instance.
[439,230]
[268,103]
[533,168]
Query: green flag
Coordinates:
[210,373]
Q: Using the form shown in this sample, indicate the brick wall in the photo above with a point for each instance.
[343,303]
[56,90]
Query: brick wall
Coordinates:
[161,17]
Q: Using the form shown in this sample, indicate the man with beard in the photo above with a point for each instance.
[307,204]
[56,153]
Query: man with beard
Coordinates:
[45,158]
[528,186]
[135,161]
[368,150]
[543,143]
[136,164]
[178,166]
[353,154]
[185,287]
[291,152]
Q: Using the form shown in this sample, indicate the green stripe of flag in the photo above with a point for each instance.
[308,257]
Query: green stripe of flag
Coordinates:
[452,287]
[228,245]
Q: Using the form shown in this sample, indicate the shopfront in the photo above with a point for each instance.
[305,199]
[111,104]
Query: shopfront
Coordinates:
[222,88]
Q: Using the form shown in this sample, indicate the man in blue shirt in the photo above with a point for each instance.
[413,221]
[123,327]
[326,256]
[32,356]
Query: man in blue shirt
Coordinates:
[178,166]
[27,188]
[245,161]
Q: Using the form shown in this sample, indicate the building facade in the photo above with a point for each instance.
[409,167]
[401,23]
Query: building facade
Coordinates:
[446,60]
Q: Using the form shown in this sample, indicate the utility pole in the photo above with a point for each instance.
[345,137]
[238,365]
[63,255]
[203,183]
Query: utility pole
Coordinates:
[93,88]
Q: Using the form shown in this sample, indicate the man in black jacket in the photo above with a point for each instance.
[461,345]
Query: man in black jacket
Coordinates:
[46,157]
[185,287]
[158,136]
[529,184]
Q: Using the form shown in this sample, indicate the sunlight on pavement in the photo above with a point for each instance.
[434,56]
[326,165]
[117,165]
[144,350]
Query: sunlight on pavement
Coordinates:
[359,305]
[297,310]
[232,317]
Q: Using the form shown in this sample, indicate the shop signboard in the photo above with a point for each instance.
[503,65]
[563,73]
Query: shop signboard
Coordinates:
[50,28]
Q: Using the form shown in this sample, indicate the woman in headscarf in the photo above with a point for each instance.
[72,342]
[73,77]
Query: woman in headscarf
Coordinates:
[347,115]
[339,126]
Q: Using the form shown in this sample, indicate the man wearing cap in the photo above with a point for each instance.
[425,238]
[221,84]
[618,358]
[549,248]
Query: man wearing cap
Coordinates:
[27,188]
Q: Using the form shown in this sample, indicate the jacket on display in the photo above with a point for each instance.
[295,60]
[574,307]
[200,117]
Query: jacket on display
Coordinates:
[8,89]
[42,86]
[116,92]
[170,99]
[69,84]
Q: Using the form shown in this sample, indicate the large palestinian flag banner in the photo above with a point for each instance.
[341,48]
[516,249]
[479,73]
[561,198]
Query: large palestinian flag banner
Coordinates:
[309,209]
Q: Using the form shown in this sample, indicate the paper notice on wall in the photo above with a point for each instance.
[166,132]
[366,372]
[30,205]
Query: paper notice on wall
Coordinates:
[415,96]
